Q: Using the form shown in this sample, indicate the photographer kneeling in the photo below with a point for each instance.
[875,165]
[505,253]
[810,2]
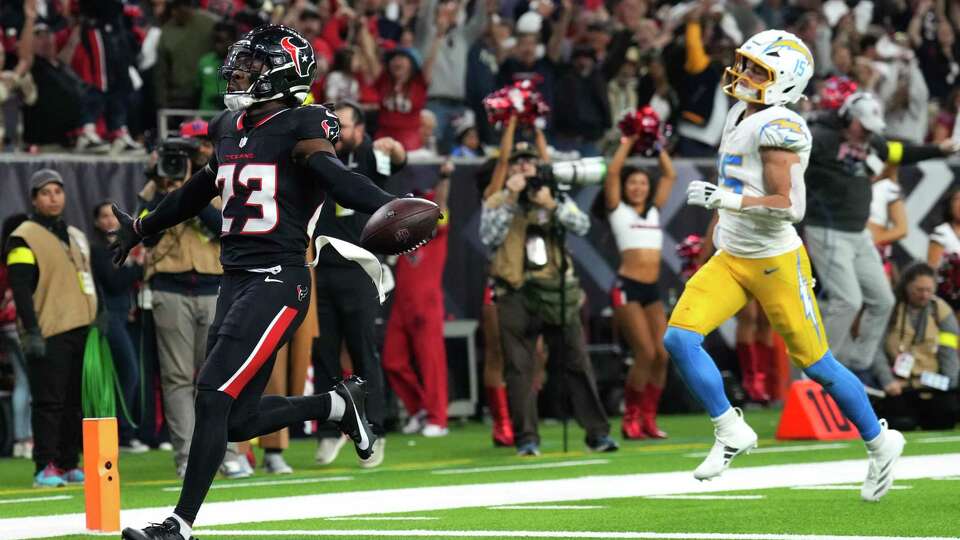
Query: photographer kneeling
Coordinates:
[525,224]
[918,364]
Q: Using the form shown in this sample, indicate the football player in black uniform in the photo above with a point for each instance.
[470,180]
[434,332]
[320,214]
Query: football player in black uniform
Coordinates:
[274,162]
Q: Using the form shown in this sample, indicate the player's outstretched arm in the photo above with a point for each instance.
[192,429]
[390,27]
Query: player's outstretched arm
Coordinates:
[178,206]
[350,189]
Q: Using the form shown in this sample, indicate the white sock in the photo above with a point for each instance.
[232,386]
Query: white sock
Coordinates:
[727,419]
[185,529]
[874,444]
[337,406]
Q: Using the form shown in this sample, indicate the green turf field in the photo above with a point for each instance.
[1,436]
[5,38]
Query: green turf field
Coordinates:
[460,483]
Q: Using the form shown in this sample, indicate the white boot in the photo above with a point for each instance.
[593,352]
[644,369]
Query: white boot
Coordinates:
[883,452]
[733,437]
[89,141]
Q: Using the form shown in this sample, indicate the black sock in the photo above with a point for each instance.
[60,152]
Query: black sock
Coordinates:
[207,448]
[278,412]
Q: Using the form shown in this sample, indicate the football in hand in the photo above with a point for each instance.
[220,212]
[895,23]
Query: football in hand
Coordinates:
[400,226]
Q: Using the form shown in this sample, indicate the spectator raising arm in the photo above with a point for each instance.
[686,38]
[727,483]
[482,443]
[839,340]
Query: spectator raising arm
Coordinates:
[25,47]
[555,45]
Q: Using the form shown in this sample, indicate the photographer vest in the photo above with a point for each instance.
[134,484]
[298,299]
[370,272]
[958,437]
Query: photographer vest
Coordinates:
[65,297]
[903,337]
[539,283]
[187,247]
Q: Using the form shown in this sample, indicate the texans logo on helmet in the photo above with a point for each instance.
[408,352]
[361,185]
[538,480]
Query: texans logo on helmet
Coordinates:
[299,58]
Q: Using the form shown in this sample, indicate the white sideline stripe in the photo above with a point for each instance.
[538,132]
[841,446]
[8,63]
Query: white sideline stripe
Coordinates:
[382,518]
[947,478]
[548,507]
[554,534]
[554,465]
[842,487]
[233,485]
[946,438]
[423,499]
[708,497]
[782,449]
[36,499]
[253,353]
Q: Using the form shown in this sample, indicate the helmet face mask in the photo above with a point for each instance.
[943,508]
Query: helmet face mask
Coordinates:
[785,60]
[278,63]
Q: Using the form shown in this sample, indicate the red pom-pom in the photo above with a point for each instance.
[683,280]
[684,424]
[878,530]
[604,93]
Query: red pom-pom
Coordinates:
[521,99]
[688,251]
[835,90]
[644,123]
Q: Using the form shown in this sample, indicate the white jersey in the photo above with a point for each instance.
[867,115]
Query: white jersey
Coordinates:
[885,191]
[740,169]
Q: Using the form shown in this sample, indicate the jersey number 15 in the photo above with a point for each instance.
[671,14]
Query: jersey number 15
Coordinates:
[249,197]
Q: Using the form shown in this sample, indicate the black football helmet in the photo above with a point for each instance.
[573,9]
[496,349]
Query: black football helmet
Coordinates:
[280,61]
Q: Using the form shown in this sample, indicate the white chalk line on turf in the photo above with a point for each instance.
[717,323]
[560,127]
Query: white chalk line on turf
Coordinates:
[708,497]
[480,495]
[36,499]
[547,507]
[372,533]
[528,466]
[944,439]
[234,485]
[382,518]
[782,449]
[842,487]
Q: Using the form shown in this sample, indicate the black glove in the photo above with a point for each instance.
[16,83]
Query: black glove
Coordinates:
[127,237]
[34,346]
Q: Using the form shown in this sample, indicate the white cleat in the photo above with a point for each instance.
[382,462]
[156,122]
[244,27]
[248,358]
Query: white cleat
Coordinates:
[732,439]
[880,472]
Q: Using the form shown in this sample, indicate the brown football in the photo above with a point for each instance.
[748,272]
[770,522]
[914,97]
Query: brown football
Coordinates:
[400,226]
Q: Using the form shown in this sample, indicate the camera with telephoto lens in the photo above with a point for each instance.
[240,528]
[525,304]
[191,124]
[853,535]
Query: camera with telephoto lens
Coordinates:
[174,155]
[565,175]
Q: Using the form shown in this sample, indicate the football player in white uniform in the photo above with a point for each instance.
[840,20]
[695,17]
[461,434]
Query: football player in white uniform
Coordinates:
[760,195]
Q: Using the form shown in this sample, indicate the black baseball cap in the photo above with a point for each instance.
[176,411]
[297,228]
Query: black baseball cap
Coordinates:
[43,177]
[523,149]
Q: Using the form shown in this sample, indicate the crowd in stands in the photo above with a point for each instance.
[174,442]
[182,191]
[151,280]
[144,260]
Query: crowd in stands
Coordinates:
[410,78]
[91,75]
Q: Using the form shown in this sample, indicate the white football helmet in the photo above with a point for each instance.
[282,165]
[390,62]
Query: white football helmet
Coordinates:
[787,61]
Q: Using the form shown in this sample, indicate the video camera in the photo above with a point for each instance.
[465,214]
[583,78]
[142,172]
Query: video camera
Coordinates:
[174,156]
[565,175]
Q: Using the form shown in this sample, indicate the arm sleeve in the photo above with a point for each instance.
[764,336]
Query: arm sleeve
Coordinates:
[947,350]
[571,217]
[181,204]
[351,190]
[697,58]
[212,219]
[495,218]
[22,273]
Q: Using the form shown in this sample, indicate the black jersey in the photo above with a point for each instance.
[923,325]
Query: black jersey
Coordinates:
[268,200]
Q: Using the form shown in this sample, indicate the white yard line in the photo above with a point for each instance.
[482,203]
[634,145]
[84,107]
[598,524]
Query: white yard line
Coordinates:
[708,497]
[547,507]
[552,534]
[234,485]
[424,499]
[842,487]
[945,438]
[782,449]
[525,467]
[36,499]
[948,478]
[382,518]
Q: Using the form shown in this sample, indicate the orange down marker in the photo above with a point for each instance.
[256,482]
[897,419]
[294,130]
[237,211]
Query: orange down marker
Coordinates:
[811,414]
[101,486]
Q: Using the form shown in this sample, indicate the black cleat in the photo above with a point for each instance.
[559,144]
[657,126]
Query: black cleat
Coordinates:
[354,422]
[168,530]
